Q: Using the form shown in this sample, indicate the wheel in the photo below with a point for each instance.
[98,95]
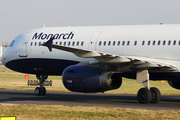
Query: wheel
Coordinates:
[156,95]
[144,95]
[43,91]
[38,91]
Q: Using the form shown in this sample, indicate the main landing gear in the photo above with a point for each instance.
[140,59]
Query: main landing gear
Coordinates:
[147,95]
[41,90]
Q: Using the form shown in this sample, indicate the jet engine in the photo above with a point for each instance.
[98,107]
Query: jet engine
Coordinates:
[174,84]
[90,79]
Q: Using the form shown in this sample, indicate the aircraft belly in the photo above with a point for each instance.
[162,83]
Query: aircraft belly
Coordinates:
[40,66]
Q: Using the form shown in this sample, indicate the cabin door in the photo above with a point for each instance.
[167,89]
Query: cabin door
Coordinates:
[23,44]
[93,41]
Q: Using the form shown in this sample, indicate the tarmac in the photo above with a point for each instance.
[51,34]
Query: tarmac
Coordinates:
[90,99]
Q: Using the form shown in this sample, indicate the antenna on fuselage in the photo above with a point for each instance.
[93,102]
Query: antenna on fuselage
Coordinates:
[44,25]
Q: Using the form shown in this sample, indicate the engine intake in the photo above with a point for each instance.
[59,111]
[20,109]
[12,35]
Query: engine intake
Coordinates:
[90,79]
[174,84]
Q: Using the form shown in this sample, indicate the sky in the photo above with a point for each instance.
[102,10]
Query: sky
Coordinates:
[17,16]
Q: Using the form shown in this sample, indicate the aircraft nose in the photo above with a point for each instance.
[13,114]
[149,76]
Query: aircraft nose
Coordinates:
[3,58]
[6,56]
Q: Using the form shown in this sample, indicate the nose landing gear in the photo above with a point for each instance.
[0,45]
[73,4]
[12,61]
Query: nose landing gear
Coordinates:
[41,90]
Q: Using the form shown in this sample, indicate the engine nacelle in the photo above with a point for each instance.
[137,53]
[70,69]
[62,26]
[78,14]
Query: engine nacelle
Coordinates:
[90,79]
[174,84]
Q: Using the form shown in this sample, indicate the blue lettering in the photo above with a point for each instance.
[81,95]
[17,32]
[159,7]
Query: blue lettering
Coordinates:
[65,35]
[56,36]
[49,35]
[71,34]
[37,36]
[43,36]
[60,36]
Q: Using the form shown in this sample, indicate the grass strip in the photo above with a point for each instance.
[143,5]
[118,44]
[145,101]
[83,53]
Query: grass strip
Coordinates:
[59,112]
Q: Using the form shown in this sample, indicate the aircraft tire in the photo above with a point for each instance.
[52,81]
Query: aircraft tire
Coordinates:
[43,91]
[156,95]
[144,96]
[38,91]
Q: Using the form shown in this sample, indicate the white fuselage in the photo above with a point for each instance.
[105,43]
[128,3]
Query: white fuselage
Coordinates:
[159,43]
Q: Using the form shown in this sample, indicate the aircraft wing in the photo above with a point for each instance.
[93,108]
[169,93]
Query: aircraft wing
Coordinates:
[124,63]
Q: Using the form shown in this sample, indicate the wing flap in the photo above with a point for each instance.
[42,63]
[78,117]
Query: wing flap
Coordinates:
[115,60]
[87,54]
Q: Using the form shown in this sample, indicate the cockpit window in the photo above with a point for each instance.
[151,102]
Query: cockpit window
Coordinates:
[12,43]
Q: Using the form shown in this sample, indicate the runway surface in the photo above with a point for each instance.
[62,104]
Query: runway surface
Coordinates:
[81,99]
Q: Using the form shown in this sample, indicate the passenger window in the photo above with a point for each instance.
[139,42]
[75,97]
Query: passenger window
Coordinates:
[159,42]
[99,43]
[35,43]
[149,42]
[143,42]
[179,42]
[123,43]
[109,43]
[31,43]
[82,43]
[56,43]
[64,43]
[169,43]
[135,43]
[154,42]
[69,43]
[39,43]
[164,42]
[118,43]
[128,43]
[104,43]
[114,43]
[174,43]
[77,43]
[60,43]
[73,43]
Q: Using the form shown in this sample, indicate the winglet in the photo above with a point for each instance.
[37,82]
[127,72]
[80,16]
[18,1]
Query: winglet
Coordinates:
[49,43]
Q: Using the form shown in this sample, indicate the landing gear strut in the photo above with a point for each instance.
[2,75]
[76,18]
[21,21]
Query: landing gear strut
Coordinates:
[41,90]
[147,95]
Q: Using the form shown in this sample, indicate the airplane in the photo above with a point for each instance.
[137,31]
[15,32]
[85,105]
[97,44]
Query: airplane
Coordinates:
[95,58]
